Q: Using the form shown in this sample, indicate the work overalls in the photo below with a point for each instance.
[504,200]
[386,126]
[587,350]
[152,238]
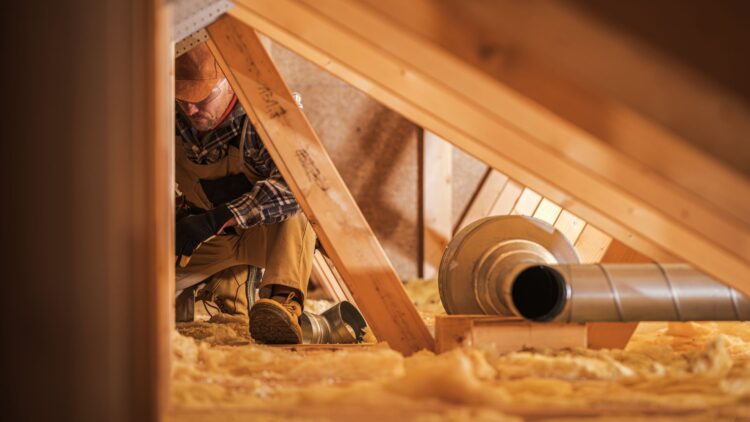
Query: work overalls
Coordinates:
[284,250]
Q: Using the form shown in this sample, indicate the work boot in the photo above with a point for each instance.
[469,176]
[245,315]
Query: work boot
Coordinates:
[276,320]
[226,290]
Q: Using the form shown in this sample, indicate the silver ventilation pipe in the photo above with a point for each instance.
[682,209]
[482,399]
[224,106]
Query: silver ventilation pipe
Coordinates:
[622,292]
[521,266]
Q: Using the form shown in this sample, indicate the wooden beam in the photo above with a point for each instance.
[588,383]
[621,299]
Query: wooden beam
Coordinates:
[395,55]
[328,279]
[318,187]
[436,167]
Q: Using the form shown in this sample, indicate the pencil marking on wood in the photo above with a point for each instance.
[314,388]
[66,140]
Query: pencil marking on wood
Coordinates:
[312,171]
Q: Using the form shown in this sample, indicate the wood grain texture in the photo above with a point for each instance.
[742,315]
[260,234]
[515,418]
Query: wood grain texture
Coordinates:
[323,274]
[396,56]
[504,334]
[374,149]
[319,189]
[527,203]
[437,200]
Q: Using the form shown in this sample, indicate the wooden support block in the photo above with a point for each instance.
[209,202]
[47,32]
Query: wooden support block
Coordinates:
[436,165]
[317,186]
[503,335]
[610,335]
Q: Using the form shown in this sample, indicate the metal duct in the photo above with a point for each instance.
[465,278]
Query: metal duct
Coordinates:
[622,292]
[341,324]
[521,266]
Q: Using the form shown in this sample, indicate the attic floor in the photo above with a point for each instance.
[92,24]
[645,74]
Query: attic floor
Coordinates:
[694,371]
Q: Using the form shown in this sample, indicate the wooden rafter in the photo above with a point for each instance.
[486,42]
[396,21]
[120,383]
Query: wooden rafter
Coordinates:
[318,187]
[615,178]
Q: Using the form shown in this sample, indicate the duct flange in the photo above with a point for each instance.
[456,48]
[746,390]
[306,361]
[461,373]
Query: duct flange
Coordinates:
[470,280]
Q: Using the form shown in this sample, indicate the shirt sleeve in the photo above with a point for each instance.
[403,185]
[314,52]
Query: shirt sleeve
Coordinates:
[270,201]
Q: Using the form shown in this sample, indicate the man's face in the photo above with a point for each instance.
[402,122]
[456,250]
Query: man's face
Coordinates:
[204,115]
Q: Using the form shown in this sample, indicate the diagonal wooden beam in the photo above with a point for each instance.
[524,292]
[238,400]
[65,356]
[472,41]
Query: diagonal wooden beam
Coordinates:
[605,165]
[327,278]
[318,187]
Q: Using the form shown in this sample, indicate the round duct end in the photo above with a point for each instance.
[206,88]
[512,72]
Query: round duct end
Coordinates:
[539,293]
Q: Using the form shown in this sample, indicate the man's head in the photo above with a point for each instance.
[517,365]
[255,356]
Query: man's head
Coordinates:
[201,90]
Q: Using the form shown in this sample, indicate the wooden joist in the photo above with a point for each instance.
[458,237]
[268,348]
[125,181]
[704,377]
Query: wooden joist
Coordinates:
[635,179]
[318,187]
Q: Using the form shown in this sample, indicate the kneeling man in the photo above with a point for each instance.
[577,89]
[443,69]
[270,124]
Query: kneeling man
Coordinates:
[246,214]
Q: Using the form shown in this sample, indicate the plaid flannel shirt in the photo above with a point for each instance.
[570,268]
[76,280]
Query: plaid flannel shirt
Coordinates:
[269,201]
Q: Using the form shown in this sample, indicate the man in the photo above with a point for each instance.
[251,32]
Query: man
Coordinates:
[247,215]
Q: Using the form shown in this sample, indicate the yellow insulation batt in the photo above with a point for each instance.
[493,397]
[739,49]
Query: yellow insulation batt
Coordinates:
[690,371]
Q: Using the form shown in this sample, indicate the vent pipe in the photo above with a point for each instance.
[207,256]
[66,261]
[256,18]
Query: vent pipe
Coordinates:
[521,266]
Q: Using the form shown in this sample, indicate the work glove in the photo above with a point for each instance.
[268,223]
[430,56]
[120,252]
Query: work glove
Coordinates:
[184,208]
[193,230]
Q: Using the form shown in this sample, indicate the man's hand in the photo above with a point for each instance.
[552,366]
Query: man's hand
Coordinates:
[193,230]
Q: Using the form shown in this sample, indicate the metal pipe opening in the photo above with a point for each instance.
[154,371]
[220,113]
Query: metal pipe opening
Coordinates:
[539,293]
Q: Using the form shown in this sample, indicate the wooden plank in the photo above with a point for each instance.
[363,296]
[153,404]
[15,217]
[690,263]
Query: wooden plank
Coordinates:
[436,200]
[547,211]
[484,199]
[503,335]
[324,276]
[570,225]
[451,333]
[318,187]
[592,244]
[527,203]
[507,199]
[534,71]
[397,58]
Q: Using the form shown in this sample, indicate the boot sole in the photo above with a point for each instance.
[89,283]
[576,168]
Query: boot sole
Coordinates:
[270,324]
